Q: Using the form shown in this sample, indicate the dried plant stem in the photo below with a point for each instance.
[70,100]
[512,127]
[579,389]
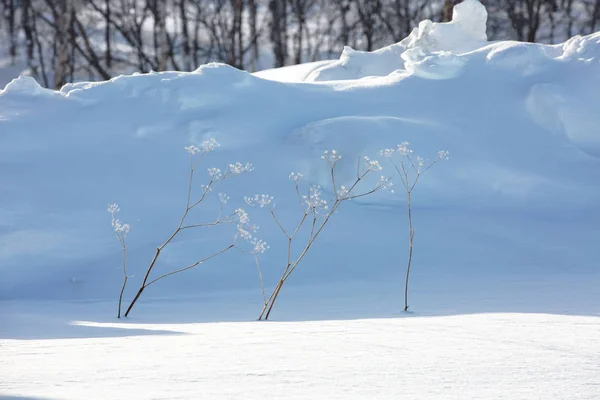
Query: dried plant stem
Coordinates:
[409,174]
[180,227]
[410,251]
[122,240]
[316,229]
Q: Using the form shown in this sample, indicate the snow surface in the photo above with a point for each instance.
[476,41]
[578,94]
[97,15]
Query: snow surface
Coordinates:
[505,269]
[487,356]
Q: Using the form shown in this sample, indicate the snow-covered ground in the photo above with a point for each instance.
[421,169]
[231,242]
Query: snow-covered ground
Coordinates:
[486,356]
[504,299]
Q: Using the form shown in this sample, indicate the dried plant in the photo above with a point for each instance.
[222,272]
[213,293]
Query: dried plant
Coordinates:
[244,229]
[409,170]
[120,230]
[316,212]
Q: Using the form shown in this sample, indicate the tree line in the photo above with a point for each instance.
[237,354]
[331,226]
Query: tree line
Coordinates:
[60,41]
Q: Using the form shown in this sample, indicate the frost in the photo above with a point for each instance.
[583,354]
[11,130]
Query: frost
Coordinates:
[261,200]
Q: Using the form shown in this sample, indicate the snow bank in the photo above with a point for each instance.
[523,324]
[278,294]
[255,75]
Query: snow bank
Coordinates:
[430,50]
[26,86]
[520,192]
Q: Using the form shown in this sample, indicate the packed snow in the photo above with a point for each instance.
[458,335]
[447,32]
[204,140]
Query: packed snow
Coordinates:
[504,300]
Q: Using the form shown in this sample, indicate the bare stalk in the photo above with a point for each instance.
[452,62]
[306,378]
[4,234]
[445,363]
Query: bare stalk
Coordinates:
[120,230]
[411,234]
[409,173]
[124,276]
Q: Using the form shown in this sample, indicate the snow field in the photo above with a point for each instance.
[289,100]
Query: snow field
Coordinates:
[485,356]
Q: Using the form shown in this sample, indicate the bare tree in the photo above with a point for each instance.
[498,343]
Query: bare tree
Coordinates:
[9,13]
[279,27]
[62,13]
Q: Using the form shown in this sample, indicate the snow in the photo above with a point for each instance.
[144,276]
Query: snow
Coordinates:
[485,356]
[505,273]
[432,46]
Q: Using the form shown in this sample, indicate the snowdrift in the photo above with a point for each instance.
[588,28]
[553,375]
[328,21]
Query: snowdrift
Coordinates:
[519,197]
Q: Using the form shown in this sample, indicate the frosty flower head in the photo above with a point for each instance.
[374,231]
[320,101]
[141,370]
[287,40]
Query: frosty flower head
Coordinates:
[332,157]
[242,216]
[295,176]
[443,155]
[259,246]
[385,183]
[113,208]
[403,149]
[206,147]
[223,198]
[261,200]
[239,168]
[387,153]
[120,227]
[372,165]
[215,174]
[209,145]
[342,192]
[314,200]
[192,149]
[420,162]
[243,233]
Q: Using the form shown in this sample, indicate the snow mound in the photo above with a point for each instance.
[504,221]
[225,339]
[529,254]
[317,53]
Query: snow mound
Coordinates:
[26,85]
[418,53]
[520,191]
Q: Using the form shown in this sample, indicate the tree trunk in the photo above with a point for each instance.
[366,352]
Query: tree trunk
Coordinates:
[447,11]
[253,35]
[12,34]
[185,36]
[107,36]
[62,63]
[161,41]
[28,30]
[278,10]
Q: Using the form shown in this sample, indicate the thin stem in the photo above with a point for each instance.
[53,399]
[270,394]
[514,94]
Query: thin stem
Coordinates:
[279,224]
[260,277]
[190,266]
[179,228]
[122,240]
[410,249]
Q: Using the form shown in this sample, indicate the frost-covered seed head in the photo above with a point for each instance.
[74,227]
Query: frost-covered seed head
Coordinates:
[192,149]
[295,176]
[372,165]
[385,183]
[239,168]
[215,173]
[314,201]
[120,227]
[387,153]
[113,208]
[242,216]
[342,192]
[261,200]
[223,198]
[332,157]
[260,246]
[403,149]
[209,145]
